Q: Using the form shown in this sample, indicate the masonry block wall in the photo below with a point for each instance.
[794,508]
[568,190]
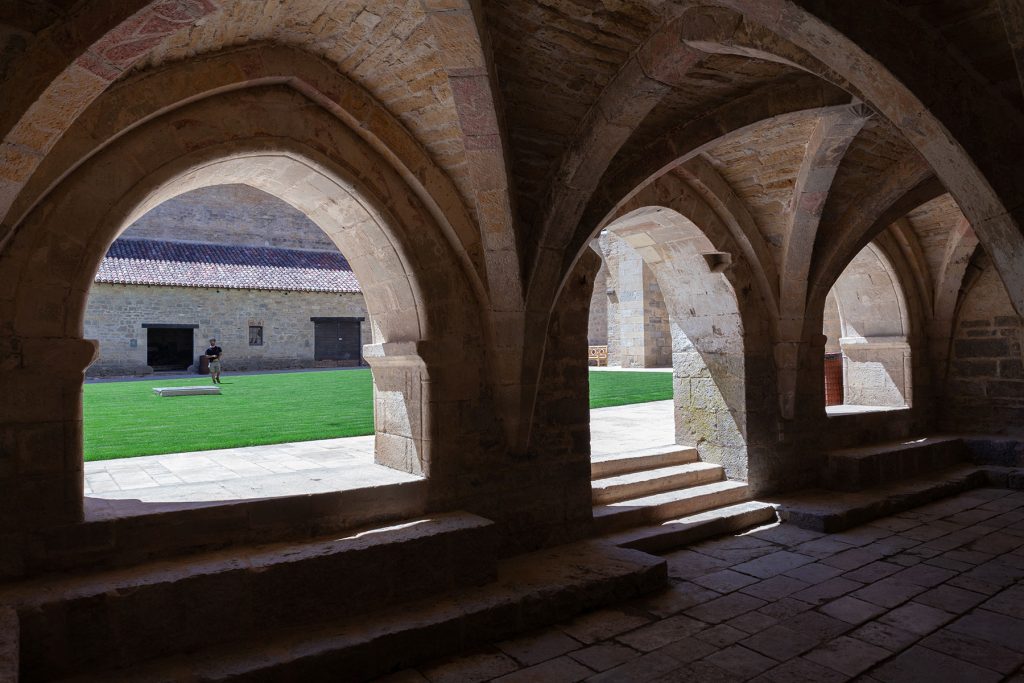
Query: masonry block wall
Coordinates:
[637,318]
[231,214]
[986,380]
[116,313]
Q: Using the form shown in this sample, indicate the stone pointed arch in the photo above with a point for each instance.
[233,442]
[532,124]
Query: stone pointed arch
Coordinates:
[833,134]
[428,324]
[699,264]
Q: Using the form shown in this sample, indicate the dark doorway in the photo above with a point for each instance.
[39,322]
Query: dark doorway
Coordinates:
[169,349]
[337,340]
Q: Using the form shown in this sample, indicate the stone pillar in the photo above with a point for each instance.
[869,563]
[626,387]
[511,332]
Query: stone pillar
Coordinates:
[41,459]
[638,325]
[401,399]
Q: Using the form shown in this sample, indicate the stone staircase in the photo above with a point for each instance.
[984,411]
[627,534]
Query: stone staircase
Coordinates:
[865,483]
[856,469]
[662,497]
[348,606]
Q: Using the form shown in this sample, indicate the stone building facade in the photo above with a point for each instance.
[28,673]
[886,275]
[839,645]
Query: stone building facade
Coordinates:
[260,293]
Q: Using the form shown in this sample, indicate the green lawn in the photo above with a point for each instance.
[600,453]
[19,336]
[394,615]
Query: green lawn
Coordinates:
[125,419]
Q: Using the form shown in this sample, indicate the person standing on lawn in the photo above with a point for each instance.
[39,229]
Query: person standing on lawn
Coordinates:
[214,353]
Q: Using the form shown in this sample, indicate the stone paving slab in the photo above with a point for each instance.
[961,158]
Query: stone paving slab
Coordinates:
[319,466]
[913,613]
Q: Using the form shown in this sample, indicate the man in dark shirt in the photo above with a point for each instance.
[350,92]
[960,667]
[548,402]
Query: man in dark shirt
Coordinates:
[213,353]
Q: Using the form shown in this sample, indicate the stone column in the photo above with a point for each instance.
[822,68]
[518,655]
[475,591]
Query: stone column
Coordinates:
[401,399]
[41,459]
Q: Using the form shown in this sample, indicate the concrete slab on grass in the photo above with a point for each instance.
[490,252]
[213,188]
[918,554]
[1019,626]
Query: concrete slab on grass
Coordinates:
[185,391]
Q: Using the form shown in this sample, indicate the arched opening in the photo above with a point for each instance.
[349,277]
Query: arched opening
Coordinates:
[867,353]
[414,286]
[705,329]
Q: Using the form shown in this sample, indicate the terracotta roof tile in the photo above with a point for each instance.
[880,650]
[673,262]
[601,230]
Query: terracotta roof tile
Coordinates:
[187,264]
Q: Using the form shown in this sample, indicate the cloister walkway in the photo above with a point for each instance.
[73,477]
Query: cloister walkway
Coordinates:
[319,466]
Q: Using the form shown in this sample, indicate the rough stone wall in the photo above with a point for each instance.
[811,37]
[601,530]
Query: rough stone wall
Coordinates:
[985,389]
[115,315]
[230,214]
[657,331]
[597,334]
[637,318]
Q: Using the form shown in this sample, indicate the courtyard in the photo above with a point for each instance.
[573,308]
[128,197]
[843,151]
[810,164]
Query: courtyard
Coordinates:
[126,419]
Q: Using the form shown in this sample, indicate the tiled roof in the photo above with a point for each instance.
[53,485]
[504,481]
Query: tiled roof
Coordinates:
[187,264]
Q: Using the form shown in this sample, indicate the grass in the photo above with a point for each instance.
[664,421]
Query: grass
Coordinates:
[126,419]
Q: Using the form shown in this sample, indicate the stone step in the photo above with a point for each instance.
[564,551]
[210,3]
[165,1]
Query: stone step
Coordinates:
[833,511]
[855,469]
[675,533]
[662,506]
[116,619]
[602,466]
[123,533]
[649,482]
[531,591]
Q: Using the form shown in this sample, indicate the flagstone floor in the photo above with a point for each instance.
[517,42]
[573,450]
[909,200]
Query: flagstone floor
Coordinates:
[934,594]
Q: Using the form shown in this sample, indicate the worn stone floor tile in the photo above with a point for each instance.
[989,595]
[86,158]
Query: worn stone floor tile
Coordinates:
[687,564]
[820,626]
[780,643]
[875,571]
[702,671]
[924,575]
[785,608]
[741,661]
[814,573]
[976,585]
[822,547]
[785,535]
[848,655]
[922,664]
[800,670]
[776,563]
[661,633]
[885,636]
[675,599]
[721,635]
[731,544]
[851,610]
[888,592]
[946,563]
[538,647]
[974,650]
[482,666]
[950,598]
[996,572]
[560,670]
[643,668]
[775,588]
[894,524]
[725,608]
[686,650]
[969,556]
[852,559]
[604,656]
[725,581]
[1009,602]
[601,625]
[995,543]
[827,590]
[862,535]
[752,622]
[992,627]
[916,618]
[905,560]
